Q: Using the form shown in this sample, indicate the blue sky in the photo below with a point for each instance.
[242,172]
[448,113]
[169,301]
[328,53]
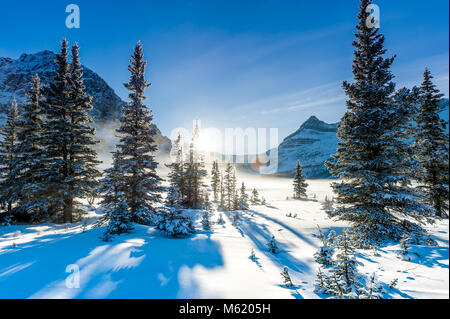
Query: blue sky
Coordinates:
[254,63]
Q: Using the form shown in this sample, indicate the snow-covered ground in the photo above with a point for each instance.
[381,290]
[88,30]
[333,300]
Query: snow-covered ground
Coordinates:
[215,264]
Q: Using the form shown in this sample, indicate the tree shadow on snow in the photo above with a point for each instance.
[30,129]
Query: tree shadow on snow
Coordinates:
[135,265]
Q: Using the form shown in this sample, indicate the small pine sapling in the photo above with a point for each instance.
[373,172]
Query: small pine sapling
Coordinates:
[220,220]
[272,245]
[286,277]
[235,219]
[393,283]
[324,256]
[206,220]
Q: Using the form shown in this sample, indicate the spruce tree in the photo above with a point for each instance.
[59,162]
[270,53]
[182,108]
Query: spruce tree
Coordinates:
[172,219]
[300,184]
[176,174]
[30,185]
[272,245]
[83,157]
[229,186]
[57,138]
[431,148]
[222,204]
[215,180]
[133,174]
[254,200]
[119,219]
[194,173]
[8,161]
[206,220]
[373,156]
[236,200]
[243,198]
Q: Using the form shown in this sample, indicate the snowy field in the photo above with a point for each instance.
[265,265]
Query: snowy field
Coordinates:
[215,264]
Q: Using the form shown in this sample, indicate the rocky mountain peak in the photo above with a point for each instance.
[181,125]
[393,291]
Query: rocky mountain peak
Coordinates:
[15,79]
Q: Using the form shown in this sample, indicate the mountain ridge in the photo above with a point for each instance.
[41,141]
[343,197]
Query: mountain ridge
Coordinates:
[15,80]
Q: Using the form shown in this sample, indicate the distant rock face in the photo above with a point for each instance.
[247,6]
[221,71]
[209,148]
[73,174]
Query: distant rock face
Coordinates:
[15,80]
[312,144]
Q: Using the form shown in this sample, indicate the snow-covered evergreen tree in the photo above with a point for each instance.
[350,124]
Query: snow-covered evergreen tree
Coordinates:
[286,277]
[222,203]
[263,200]
[57,138]
[133,174]
[206,220]
[272,245]
[172,219]
[300,184]
[206,204]
[176,174]
[324,256]
[346,264]
[373,158]
[31,164]
[229,186]
[243,198]
[235,219]
[342,280]
[254,199]
[194,173]
[82,155]
[431,148]
[220,220]
[8,162]
[372,288]
[252,254]
[215,181]
[118,216]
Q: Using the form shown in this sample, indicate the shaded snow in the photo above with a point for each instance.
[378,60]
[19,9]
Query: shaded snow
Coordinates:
[216,264]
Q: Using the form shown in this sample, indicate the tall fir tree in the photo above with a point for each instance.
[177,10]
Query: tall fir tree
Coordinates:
[194,173]
[82,155]
[8,162]
[431,148]
[300,184]
[254,199]
[229,186]
[172,219]
[57,138]
[243,198]
[215,180]
[176,174]
[133,174]
[222,203]
[373,159]
[30,184]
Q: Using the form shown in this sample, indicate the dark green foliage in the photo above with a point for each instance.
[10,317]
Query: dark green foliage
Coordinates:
[431,148]
[300,184]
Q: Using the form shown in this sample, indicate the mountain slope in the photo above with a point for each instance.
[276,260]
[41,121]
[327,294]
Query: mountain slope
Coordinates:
[15,80]
[312,144]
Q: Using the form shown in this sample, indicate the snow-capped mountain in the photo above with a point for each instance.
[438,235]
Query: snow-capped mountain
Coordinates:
[312,144]
[15,80]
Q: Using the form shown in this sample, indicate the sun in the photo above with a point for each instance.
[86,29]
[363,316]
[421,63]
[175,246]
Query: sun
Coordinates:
[208,142]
